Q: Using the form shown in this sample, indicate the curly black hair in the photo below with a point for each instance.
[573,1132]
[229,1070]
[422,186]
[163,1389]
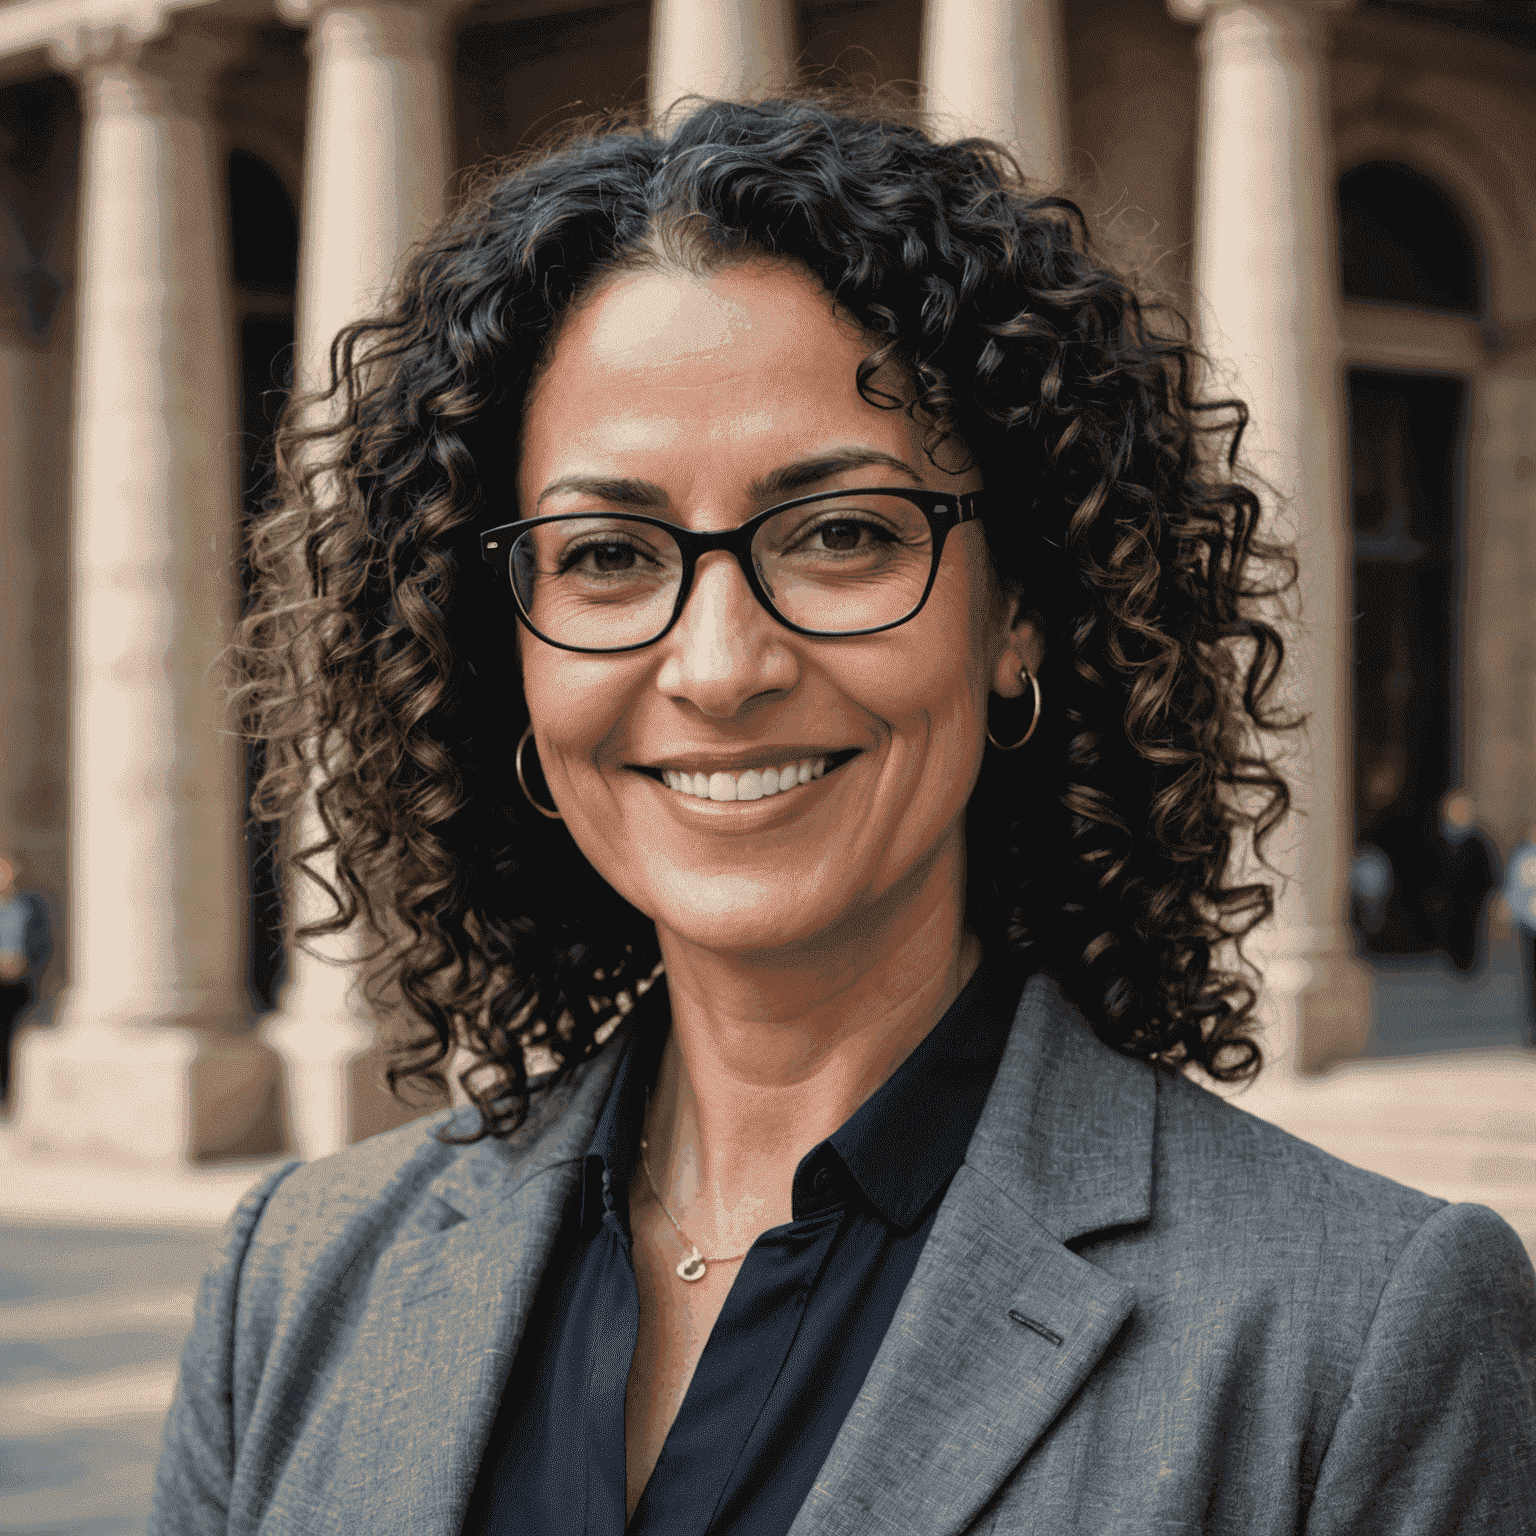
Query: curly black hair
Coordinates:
[372,655]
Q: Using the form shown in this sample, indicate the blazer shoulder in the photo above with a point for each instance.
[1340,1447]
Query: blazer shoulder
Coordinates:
[1214,1154]
[358,1176]
[409,1181]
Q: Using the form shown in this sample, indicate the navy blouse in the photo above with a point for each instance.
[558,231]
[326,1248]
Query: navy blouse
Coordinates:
[799,1328]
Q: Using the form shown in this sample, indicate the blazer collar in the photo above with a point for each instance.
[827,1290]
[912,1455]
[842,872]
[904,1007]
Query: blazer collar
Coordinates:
[1001,1322]
[447,1308]
[1068,1128]
[998,1327]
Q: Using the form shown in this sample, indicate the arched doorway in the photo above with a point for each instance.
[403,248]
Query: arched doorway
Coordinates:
[1405,244]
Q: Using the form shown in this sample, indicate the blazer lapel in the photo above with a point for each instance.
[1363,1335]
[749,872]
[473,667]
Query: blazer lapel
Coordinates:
[1001,1322]
[447,1312]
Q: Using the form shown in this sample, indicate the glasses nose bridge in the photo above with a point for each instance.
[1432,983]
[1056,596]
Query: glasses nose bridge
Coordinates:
[736,542]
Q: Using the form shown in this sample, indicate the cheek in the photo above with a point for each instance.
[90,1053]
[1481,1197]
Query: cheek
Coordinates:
[930,707]
[934,700]
[939,669]
[575,702]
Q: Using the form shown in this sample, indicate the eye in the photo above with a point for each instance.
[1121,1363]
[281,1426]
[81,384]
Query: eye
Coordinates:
[611,557]
[601,557]
[843,534]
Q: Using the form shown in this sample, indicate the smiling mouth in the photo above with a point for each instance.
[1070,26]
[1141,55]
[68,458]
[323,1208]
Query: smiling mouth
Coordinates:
[754,783]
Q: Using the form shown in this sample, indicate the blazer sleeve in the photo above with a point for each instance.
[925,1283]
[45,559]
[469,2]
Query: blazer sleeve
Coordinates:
[197,1454]
[1438,1431]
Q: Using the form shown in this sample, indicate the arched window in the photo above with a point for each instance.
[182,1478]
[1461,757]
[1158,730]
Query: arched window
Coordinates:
[263,227]
[1404,241]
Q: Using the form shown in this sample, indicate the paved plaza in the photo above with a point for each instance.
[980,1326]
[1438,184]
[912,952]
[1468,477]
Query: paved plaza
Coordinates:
[91,1327]
[93,1312]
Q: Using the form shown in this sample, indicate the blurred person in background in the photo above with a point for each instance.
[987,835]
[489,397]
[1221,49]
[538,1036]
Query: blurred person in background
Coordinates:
[1520,897]
[1466,871]
[787,638]
[1395,909]
[1370,887]
[26,946]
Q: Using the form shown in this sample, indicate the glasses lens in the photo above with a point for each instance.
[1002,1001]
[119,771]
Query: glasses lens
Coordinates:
[853,562]
[596,582]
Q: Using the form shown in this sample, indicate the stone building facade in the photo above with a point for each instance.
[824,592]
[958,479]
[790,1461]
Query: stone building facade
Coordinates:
[193,193]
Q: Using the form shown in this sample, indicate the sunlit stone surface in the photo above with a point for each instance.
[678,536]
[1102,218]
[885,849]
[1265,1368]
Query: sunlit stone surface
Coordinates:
[376,170]
[994,68]
[152,1057]
[1265,274]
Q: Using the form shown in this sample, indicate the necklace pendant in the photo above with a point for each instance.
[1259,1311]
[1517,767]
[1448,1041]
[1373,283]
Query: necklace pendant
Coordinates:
[692,1268]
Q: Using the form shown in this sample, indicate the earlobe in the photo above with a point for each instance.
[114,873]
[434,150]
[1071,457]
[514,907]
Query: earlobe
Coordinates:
[1037,703]
[1023,651]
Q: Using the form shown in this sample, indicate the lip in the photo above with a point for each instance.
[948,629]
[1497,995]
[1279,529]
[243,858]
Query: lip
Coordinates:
[751,816]
[739,762]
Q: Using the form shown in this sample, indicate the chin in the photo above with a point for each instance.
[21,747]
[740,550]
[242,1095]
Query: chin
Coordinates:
[739,914]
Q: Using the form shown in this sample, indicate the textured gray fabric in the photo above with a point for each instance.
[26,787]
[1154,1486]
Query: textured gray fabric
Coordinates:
[1140,1310]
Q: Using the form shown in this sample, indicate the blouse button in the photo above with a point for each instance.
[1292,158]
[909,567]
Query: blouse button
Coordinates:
[824,1182]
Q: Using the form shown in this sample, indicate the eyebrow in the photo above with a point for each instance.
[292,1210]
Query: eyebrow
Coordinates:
[778,485]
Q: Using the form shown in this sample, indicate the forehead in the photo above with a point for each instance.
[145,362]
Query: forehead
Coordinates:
[641,320]
[753,356]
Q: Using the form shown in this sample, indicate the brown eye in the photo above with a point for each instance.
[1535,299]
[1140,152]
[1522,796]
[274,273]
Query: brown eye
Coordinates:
[840,536]
[612,557]
[607,558]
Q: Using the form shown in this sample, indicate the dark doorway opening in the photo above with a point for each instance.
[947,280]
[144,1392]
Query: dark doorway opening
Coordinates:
[264,241]
[1405,435]
[266,350]
[1403,240]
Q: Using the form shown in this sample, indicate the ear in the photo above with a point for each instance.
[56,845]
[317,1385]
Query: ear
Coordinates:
[1022,648]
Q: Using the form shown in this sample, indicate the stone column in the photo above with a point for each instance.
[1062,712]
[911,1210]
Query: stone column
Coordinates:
[719,48]
[997,68]
[153,1056]
[377,163]
[1266,273]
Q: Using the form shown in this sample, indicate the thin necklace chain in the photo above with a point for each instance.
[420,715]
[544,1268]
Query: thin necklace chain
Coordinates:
[646,1168]
[685,1270]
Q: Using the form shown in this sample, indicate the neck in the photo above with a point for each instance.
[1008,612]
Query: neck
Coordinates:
[771,1053]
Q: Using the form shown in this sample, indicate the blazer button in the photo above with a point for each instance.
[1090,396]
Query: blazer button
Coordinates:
[825,1181]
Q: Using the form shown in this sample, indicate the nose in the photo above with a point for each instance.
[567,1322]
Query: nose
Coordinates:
[725,649]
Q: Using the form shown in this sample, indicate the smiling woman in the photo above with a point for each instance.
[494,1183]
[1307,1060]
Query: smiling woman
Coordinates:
[774,637]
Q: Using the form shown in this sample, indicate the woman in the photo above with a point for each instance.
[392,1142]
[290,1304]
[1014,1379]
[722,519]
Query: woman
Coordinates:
[784,640]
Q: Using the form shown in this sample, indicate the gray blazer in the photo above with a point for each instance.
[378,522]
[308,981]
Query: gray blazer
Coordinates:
[1140,1310]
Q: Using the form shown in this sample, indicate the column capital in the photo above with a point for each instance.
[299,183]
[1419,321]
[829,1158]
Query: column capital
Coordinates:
[138,49]
[1296,30]
[78,46]
[1198,11]
[381,28]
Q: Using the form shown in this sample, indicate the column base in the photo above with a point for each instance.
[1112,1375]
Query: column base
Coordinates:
[333,1080]
[1318,1013]
[152,1093]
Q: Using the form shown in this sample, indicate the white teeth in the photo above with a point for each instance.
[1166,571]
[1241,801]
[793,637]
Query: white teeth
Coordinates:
[753,784]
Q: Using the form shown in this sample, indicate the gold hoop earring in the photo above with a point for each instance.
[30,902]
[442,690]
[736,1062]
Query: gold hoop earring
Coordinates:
[517,762]
[1034,683]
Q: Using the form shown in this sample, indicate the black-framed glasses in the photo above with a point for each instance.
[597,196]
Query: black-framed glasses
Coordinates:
[836,563]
